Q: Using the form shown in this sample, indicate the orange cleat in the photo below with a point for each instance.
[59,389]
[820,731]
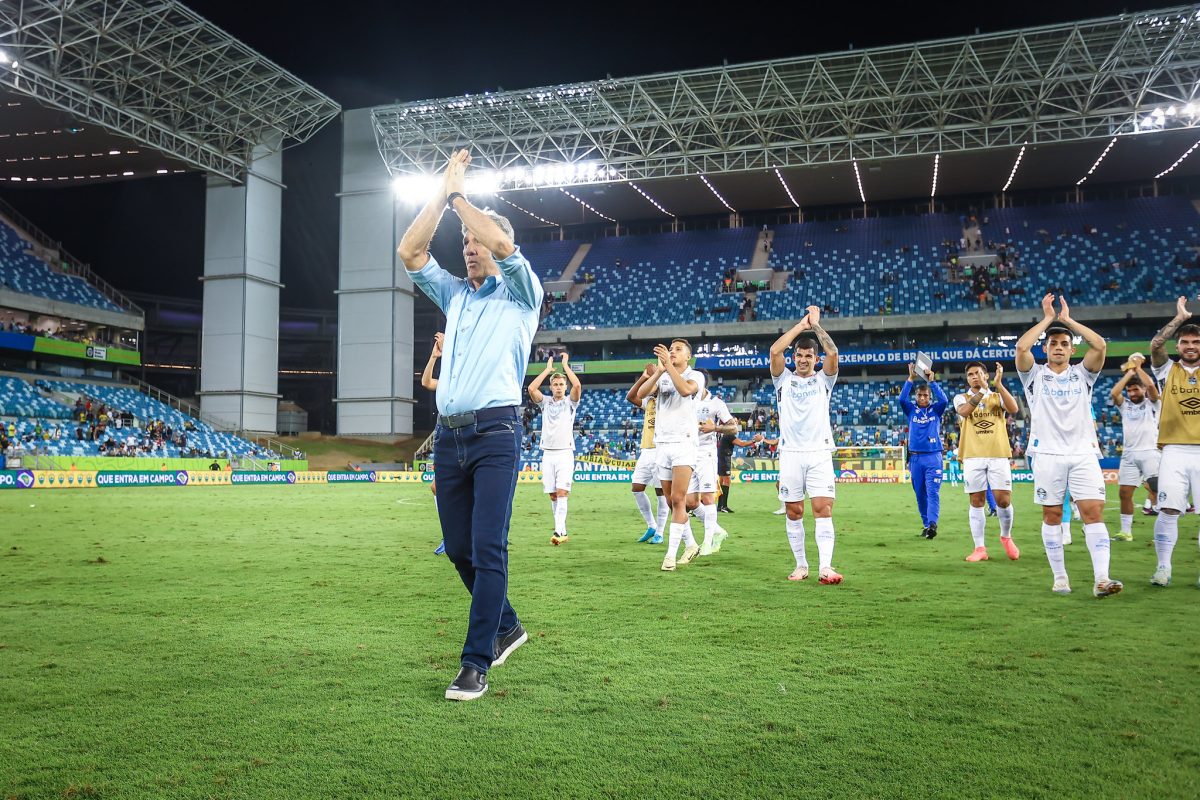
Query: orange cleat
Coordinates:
[1010,548]
[978,554]
[828,577]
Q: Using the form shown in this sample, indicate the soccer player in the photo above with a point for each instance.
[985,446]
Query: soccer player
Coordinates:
[714,420]
[558,438]
[645,472]
[725,446]
[985,451]
[1178,431]
[925,446]
[806,439]
[1062,438]
[431,383]
[1139,432]
[677,386]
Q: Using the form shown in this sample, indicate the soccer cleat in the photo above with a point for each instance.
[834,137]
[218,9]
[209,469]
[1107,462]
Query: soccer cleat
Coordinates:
[689,554]
[925,532]
[1149,512]
[557,540]
[1061,585]
[469,685]
[668,564]
[1066,535]
[1010,548]
[932,531]
[1161,577]
[1107,588]
[441,548]
[506,644]
[648,535]
[827,577]
[978,554]
[779,511]
[719,539]
[656,539]
[799,574]
[1122,537]
[706,550]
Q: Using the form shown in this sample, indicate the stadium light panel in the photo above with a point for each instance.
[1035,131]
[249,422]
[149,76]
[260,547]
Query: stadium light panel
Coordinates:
[1178,161]
[713,189]
[937,159]
[1097,162]
[4,59]
[786,188]
[1016,165]
[585,205]
[414,189]
[653,202]
[858,179]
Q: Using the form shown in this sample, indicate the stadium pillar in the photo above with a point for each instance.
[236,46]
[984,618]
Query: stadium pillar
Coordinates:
[239,354]
[375,294]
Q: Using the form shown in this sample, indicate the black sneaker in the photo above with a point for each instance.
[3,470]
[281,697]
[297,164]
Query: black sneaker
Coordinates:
[727,510]
[932,531]
[507,643]
[991,512]
[469,685]
[925,532]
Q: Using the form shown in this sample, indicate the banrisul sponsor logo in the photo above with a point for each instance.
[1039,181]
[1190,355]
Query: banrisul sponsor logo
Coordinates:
[351,477]
[16,479]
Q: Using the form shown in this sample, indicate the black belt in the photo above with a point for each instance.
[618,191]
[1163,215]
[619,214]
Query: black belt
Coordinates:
[466,418]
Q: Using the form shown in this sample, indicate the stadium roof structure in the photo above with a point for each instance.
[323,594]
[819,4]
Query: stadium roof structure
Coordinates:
[155,74]
[1102,100]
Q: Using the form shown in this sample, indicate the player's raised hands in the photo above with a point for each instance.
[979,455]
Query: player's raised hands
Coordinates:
[1048,305]
[439,339]
[814,316]
[648,370]
[999,373]
[1181,311]
[566,362]
[663,355]
[549,365]
[455,179]
[1065,313]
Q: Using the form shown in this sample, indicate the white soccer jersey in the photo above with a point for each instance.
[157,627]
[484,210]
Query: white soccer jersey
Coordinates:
[558,423]
[1060,410]
[676,414]
[1139,425]
[712,409]
[804,411]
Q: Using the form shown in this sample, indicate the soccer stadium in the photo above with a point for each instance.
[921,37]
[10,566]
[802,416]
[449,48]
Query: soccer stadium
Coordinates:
[818,422]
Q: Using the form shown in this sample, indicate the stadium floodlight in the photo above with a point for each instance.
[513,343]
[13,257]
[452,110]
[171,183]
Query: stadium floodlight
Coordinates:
[786,188]
[504,199]
[1097,162]
[584,203]
[858,178]
[937,158]
[4,59]
[653,202]
[414,189]
[713,189]
[1016,165]
[484,182]
[1178,161]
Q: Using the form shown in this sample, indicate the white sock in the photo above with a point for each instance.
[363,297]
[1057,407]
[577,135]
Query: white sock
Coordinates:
[1166,533]
[1127,523]
[708,514]
[1052,538]
[978,520]
[643,504]
[688,539]
[553,505]
[1146,503]
[795,534]
[560,517]
[664,511]
[677,530]
[1006,521]
[1096,536]
[824,537]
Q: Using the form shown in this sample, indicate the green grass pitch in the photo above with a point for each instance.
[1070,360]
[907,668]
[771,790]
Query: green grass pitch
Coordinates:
[269,642]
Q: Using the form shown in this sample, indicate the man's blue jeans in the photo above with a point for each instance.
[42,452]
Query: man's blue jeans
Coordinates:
[476,469]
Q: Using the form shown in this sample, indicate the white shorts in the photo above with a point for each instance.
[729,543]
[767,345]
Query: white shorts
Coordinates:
[704,478]
[1138,466]
[646,471]
[808,473]
[1179,474]
[1053,475]
[675,454]
[981,474]
[558,469]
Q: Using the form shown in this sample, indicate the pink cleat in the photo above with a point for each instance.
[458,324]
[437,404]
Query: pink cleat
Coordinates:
[799,574]
[978,554]
[828,577]
[1010,548]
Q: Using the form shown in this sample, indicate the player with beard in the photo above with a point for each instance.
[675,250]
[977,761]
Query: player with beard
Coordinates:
[1139,434]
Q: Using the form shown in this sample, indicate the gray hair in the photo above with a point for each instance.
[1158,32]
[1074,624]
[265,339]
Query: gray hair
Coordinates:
[502,222]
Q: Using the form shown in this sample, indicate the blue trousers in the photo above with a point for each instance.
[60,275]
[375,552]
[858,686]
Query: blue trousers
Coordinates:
[476,468]
[926,469]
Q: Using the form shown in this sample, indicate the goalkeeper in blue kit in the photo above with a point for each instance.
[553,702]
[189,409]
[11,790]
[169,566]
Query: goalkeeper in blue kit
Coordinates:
[924,407]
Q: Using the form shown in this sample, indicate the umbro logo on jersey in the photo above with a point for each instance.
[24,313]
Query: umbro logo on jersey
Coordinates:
[985,424]
[1191,404]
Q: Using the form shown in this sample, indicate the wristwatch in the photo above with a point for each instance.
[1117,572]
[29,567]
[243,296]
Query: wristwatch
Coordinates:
[451,198]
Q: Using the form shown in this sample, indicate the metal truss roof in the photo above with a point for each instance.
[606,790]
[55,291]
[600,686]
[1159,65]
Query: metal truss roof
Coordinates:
[1060,83]
[160,74]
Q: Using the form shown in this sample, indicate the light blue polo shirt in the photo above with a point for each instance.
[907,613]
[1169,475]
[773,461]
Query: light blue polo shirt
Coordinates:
[489,332]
